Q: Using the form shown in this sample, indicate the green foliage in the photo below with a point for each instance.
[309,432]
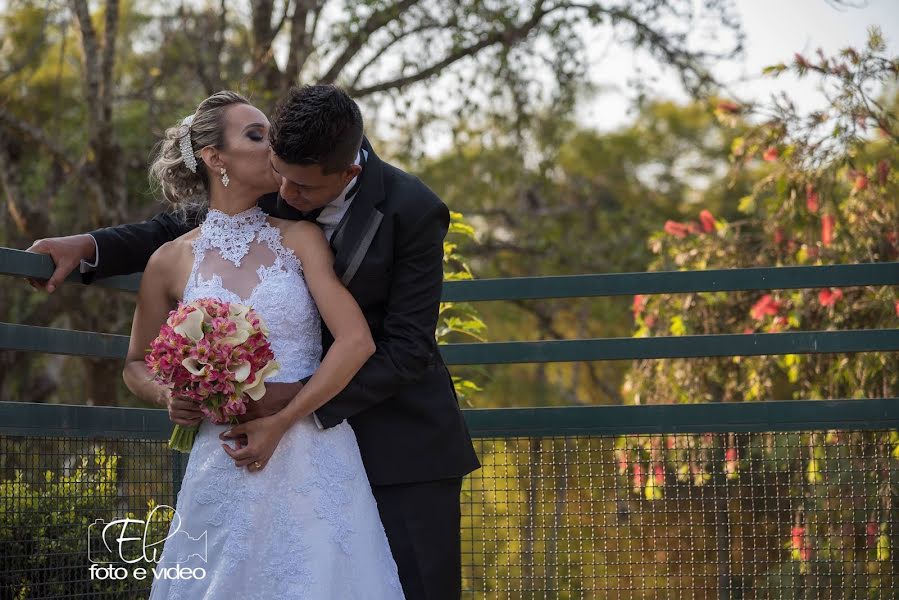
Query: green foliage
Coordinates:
[460,320]
[44,528]
[825,193]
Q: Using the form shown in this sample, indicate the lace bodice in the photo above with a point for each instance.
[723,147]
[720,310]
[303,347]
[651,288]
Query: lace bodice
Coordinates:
[241,258]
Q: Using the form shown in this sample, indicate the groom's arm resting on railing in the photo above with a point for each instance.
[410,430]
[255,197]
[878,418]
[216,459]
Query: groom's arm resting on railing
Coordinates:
[110,251]
[125,249]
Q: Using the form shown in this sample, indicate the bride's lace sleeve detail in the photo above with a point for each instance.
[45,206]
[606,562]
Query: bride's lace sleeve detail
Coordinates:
[271,235]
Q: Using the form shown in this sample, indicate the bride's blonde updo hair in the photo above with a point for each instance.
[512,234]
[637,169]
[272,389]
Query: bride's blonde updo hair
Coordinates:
[179,186]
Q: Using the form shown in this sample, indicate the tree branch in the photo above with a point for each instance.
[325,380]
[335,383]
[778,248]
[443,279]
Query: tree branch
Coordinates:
[375,22]
[91,62]
[506,36]
[107,59]
[300,41]
[57,152]
[395,39]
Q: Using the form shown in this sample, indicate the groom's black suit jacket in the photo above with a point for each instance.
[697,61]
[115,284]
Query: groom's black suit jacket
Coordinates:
[389,253]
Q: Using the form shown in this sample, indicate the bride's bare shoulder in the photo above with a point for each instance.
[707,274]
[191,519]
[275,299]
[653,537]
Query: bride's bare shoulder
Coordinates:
[301,236]
[172,259]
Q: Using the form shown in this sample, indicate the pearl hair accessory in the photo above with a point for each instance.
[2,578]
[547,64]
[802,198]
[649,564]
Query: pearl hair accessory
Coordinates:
[187,150]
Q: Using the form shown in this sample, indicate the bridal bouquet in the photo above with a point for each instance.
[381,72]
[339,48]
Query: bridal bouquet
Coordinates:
[216,354]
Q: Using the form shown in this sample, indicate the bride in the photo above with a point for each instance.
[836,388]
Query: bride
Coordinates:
[288,512]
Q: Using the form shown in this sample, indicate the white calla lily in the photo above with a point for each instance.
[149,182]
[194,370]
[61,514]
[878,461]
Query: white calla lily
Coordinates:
[239,337]
[257,389]
[191,326]
[242,371]
[237,310]
[195,366]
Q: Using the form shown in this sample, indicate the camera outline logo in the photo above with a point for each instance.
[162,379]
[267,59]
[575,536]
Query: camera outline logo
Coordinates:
[101,551]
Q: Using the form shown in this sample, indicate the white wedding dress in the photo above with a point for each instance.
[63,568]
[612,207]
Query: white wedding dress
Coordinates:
[306,525]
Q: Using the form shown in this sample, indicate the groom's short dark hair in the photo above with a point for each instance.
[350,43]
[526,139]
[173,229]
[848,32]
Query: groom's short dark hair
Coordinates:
[317,125]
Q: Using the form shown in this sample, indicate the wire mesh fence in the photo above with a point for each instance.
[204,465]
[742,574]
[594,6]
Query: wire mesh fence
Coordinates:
[56,496]
[787,515]
[796,515]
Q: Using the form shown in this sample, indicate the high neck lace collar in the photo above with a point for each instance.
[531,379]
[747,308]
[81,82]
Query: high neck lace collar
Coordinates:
[231,234]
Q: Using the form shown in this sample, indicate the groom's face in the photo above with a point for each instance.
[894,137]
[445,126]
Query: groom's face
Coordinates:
[307,187]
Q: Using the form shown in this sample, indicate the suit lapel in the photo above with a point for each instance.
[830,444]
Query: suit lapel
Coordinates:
[363,219]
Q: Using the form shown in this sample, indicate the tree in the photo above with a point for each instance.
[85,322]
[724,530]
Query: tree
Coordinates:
[825,193]
[88,86]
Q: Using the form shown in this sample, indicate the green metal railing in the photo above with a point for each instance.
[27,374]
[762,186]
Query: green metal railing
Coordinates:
[760,500]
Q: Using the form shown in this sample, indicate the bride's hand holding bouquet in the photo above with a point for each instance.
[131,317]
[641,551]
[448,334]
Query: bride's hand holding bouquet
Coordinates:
[214,355]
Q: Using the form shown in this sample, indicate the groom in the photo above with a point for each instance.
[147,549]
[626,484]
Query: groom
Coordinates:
[386,229]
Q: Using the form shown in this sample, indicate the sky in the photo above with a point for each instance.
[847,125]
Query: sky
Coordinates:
[774,29]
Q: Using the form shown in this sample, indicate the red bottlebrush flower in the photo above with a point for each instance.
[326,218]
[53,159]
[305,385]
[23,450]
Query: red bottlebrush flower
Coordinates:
[778,236]
[883,172]
[797,537]
[800,549]
[778,323]
[731,463]
[658,472]
[829,296]
[649,320]
[678,230]
[639,304]
[871,531]
[811,198]
[827,223]
[726,106]
[766,305]
[771,153]
[860,183]
[639,478]
[897,308]
[621,456]
[707,220]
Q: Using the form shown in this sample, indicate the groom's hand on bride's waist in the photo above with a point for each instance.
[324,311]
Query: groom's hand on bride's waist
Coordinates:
[277,396]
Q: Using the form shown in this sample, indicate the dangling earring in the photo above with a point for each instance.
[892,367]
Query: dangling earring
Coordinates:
[225,180]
